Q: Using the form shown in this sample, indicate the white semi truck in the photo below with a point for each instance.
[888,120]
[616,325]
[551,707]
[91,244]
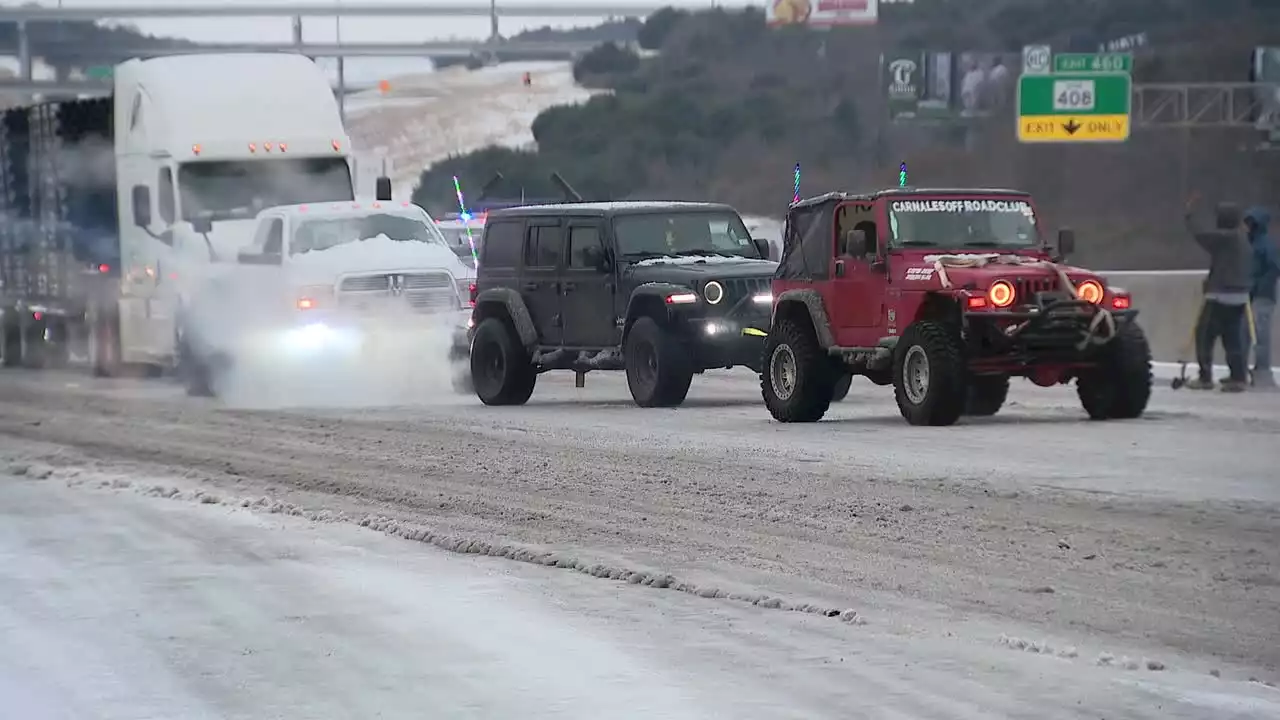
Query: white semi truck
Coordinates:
[114,208]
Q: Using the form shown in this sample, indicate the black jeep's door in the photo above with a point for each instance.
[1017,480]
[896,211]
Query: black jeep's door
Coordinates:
[539,278]
[587,287]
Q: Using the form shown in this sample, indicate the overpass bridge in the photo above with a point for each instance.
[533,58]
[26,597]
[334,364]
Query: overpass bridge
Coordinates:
[552,50]
[430,8]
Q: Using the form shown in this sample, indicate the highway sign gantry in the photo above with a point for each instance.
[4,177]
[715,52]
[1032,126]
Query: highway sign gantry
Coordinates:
[1083,105]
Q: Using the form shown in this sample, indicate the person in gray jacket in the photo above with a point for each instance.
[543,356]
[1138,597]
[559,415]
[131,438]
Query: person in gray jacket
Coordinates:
[1226,292]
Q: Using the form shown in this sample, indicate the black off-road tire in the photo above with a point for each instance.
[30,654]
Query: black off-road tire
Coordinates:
[659,368]
[195,373]
[842,386]
[1120,387]
[104,346]
[987,394]
[501,369]
[792,347]
[938,397]
[10,344]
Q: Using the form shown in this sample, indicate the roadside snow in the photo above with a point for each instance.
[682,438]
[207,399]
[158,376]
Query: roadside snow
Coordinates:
[428,118]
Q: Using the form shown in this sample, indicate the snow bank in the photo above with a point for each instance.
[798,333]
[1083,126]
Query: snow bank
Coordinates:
[427,118]
[699,260]
[376,254]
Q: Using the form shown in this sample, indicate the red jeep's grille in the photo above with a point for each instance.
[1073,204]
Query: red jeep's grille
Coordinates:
[1028,287]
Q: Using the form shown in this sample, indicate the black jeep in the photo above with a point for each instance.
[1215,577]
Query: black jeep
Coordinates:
[661,289]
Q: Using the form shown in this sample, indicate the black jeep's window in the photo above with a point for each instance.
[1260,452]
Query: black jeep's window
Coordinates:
[542,247]
[581,240]
[502,243]
[689,233]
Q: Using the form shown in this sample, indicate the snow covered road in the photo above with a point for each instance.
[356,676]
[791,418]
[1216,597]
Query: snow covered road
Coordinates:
[1109,551]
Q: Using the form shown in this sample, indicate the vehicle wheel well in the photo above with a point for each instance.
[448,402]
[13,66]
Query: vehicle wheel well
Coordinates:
[938,308]
[645,306]
[491,309]
[796,311]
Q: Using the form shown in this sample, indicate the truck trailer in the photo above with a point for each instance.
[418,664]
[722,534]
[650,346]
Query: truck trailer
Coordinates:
[115,208]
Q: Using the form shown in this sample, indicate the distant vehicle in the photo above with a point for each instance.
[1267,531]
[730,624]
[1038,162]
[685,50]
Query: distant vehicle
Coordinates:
[946,295]
[662,290]
[114,205]
[334,277]
[463,236]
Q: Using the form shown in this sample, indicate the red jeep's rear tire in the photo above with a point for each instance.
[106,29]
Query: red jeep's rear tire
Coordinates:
[930,377]
[987,394]
[841,390]
[798,381]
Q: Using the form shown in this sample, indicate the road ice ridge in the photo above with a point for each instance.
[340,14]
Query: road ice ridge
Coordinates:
[74,477]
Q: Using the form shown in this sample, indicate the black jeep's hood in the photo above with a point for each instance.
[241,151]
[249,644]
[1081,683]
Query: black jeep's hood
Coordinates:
[685,270]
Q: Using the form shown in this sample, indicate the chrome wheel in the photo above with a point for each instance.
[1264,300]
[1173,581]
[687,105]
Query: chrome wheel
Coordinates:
[782,372]
[915,374]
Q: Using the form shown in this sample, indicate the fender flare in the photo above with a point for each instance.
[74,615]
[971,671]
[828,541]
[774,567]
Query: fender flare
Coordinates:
[514,305]
[813,304]
[650,291]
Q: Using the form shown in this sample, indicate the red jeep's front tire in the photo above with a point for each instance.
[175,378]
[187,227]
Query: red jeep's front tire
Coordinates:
[930,378]
[798,381]
[1120,387]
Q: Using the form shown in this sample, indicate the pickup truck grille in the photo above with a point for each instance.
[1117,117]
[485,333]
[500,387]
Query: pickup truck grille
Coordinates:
[420,292]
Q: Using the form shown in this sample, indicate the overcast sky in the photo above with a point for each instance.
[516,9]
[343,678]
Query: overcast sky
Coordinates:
[323,29]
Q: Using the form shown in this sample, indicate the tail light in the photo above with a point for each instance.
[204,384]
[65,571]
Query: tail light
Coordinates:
[1090,291]
[467,289]
[1121,302]
[1001,294]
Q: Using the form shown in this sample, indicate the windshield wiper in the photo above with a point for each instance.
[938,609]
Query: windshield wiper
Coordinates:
[918,243]
[701,253]
[646,255]
[983,244]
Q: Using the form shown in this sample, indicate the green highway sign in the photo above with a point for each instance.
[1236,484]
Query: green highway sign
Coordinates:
[1087,63]
[1074,107]
[100,72]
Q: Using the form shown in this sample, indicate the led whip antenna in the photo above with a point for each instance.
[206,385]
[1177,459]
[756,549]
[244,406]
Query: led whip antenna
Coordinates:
[796,198]
[466,220]
[902,175]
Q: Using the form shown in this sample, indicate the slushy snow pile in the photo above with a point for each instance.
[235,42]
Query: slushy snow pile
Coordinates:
[427,118]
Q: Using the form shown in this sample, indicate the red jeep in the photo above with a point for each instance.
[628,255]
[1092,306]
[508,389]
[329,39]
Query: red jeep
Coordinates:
[945,294]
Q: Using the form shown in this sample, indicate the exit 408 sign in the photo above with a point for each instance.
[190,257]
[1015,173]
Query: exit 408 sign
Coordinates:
[1080,105]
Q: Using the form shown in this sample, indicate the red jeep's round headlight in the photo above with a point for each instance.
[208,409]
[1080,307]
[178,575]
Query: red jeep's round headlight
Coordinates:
[1090,291]
[1001,293]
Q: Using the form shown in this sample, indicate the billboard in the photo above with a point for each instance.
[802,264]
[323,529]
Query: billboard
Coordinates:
[821,13]
[942,85]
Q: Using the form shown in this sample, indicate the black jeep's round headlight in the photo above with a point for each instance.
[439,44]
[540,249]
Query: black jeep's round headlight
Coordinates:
[713,292]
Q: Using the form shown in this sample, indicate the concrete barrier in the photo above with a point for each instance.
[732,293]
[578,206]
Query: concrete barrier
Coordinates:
[1168,303]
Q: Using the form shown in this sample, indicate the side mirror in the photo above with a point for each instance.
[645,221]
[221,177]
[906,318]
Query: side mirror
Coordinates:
[1066,242]
[382,188]
[202,224]
[141,196]
[762,247]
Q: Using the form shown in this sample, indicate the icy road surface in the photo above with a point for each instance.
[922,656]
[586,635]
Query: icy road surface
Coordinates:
[1029,565]
[427,118]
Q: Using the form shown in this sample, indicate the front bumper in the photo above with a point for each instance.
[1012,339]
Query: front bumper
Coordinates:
[727,342]
[330,341]
[1055,331]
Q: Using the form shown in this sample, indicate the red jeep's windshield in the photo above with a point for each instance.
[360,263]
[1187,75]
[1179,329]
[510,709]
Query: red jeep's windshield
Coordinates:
[963,223]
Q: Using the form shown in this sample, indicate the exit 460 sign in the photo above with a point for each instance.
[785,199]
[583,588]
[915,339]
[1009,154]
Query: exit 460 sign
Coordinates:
[1074,107]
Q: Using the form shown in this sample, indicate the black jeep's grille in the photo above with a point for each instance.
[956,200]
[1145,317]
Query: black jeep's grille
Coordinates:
[739,291]
[423,292]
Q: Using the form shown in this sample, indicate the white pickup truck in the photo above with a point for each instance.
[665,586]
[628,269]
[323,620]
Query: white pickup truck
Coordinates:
[320,285]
